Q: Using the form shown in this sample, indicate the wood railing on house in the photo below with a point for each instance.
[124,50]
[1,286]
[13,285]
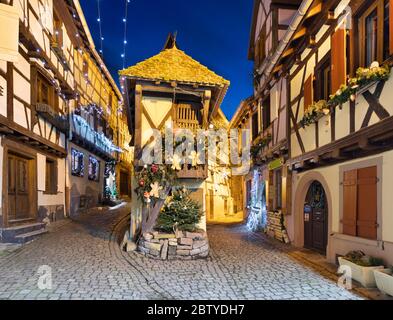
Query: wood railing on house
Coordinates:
[188,116]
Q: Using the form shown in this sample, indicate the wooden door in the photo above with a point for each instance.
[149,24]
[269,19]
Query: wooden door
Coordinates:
[19,197]
[315,218]
[124,183]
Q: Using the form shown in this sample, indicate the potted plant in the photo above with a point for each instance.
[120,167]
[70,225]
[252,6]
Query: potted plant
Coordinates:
[362,267]
[384,280]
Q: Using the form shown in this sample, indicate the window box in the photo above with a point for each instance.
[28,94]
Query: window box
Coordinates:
[384,280]
[364,275]
[48,113]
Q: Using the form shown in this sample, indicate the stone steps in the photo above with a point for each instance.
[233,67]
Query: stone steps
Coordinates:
[23,234]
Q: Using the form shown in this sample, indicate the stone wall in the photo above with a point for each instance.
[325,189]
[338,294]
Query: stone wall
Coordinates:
[182,245]
[275,227]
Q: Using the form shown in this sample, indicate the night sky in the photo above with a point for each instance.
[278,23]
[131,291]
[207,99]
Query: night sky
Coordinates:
[213,32]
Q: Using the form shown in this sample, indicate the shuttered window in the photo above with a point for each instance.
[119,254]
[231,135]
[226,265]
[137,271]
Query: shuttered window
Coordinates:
[360,203]
[308,92]
[338,58]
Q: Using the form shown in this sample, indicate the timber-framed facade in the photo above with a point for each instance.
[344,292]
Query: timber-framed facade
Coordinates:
[339,150]
[57,100]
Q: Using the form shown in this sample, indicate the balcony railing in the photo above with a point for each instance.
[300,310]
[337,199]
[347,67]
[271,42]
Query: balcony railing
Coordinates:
[188,117]
[58,120]
[84,134]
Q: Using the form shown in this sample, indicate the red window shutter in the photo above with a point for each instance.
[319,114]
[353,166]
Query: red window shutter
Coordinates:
[367,203]
[338,53]
[350,202]
[308,94]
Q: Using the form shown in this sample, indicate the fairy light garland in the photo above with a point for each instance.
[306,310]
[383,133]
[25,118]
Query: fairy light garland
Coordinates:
[100,29]
[123,55]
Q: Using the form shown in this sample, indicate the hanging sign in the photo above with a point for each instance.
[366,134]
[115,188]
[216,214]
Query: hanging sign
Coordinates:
[275,164]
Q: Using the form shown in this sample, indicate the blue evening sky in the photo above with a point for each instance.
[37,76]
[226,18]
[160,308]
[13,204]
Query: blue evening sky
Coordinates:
[213,32]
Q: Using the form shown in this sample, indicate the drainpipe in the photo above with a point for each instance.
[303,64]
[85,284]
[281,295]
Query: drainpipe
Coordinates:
[270,62]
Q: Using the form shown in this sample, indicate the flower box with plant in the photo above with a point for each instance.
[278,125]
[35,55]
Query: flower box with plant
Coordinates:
[262,143]
[384,280]
[314,112]
[362,267]
[365,77]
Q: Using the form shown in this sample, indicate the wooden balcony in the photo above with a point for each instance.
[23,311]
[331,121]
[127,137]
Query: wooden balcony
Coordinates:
[188,116]
[189,172]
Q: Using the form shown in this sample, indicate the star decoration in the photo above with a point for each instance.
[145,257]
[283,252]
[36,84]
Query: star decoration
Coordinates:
[155,190]
[176,163]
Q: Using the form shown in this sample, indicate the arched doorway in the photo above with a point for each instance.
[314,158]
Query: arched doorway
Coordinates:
[316,218]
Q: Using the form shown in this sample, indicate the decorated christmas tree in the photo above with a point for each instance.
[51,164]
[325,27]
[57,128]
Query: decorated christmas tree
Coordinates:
[180,212]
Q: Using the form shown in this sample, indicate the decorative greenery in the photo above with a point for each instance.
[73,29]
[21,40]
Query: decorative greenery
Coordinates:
[110,189]
[359,258]
[260,145]
[180,212]
[364,77]
[153,181]
[314,112]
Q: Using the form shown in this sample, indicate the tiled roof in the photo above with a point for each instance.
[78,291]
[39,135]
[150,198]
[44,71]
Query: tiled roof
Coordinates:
[174,65]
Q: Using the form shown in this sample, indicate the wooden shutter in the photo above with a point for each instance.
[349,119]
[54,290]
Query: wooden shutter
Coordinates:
[308,92]
[338,53]
[367,203]
[391,26]
[271,191]
[349,202]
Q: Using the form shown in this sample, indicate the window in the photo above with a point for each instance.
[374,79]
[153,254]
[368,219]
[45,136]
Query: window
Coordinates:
[360,203]
[77,163]
[51,176]
[373,25]
[94,169]
[57,30]
[46,92]
[322,83]
[266,113]
[85,69]
[255,126]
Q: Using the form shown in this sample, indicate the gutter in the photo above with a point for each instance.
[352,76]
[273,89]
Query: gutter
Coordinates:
[270,62]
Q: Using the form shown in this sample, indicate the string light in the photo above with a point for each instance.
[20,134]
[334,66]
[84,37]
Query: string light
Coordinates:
[123,55]
[100,29]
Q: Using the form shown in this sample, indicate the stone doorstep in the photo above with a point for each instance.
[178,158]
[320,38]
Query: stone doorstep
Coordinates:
[330,271]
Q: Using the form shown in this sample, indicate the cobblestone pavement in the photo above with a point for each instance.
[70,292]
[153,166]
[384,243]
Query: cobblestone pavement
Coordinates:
[87,264]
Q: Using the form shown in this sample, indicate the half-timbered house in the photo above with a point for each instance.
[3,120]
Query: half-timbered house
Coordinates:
[339,124]
[267,118]
[173,90]
[58,115]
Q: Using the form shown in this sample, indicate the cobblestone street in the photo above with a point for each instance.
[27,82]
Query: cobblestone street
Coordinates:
[87,264]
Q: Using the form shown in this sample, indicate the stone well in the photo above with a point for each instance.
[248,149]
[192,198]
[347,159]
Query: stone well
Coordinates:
[182,245]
